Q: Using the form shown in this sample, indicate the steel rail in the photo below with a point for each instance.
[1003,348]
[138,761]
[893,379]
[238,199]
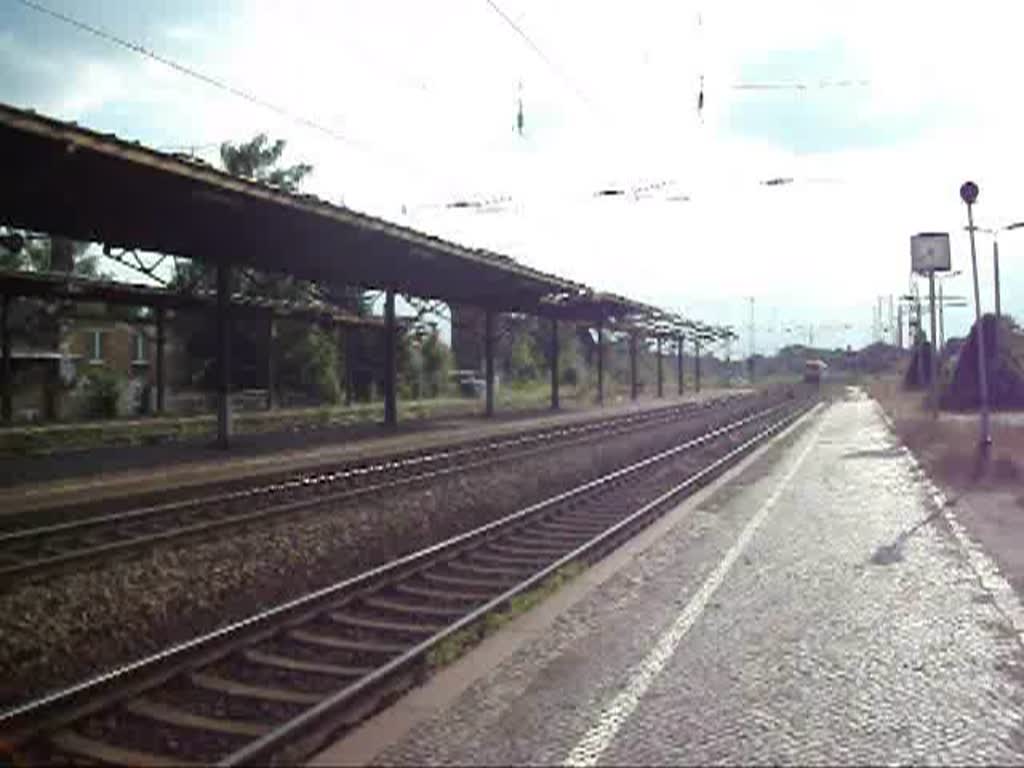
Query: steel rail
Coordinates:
[129,680]
[263,748]
[371,575]
[358,468]
[33,566]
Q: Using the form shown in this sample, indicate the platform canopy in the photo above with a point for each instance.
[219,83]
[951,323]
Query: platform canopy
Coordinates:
[708,333]
[594,307]
[56,286]
[59,177]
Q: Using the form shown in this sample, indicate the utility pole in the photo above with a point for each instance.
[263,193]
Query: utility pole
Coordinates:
[918,333]
[995,274]
[892,325]
[942,329]
[752,346]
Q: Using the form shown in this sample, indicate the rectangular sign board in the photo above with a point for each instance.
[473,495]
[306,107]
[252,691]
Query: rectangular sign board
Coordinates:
[929,251]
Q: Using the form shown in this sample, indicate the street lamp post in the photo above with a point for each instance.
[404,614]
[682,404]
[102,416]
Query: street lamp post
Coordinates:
[995,264]
[969,194]
[918,330]
[995,275]
[994,231]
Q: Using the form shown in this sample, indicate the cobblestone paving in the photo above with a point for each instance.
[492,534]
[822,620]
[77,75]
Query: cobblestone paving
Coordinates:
[851,629]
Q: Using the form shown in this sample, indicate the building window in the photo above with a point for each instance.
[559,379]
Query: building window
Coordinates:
[97,347]
[140,348]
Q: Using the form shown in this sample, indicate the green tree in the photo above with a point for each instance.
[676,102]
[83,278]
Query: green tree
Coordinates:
[258,159]
[408,366]
[310,359]
[436,362]
[317,357]
[526,360]
[571,367]
[20,251]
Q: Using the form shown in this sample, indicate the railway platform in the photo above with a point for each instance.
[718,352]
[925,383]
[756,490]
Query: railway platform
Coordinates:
[820,604]
[119,472]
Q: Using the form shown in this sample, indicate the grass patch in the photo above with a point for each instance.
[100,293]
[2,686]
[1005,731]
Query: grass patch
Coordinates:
[948,446]
[45,439]
[455,646]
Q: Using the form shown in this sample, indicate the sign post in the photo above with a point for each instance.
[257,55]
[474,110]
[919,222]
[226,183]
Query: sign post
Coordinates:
[935,349]
[929,253]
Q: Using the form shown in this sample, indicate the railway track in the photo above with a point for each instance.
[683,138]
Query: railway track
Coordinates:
[36,550]
[273,686]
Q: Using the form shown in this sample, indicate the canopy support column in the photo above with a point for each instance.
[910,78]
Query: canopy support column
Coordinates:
[223,355]
[390,372]
[554,365]
[489,360]
[161,354]
[7,409]
[349,358]
[632,366]
[661,378]
[696,363]
[271,361]
[679,363]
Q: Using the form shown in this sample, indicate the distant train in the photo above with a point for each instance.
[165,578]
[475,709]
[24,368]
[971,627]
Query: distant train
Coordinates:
[814,371]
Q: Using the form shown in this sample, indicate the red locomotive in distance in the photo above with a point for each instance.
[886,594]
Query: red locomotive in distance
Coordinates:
[814,371]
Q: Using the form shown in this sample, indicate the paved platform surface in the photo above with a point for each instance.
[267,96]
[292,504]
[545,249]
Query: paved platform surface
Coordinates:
[822,609]
[40,482]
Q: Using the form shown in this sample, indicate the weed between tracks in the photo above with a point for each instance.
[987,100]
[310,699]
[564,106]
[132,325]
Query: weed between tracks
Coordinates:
[455,646]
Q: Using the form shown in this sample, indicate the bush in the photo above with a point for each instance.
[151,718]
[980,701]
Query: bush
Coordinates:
[1004,369]
[526,362]
[102,393]
[437,363]
[320,367]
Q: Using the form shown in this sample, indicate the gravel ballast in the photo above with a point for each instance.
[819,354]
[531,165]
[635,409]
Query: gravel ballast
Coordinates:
[75,625]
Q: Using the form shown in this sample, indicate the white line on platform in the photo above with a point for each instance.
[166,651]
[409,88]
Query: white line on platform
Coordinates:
[597,740]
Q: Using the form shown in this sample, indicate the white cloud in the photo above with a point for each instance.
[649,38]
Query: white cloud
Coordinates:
[427,92]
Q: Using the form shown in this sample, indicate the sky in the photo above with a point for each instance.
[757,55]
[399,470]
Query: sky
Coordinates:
[403,106]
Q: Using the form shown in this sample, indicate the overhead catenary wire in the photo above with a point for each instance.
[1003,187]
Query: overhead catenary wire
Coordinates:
[214,82]
[541,54]
[606,117]
[329,131]
[801,86]
[184,69]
